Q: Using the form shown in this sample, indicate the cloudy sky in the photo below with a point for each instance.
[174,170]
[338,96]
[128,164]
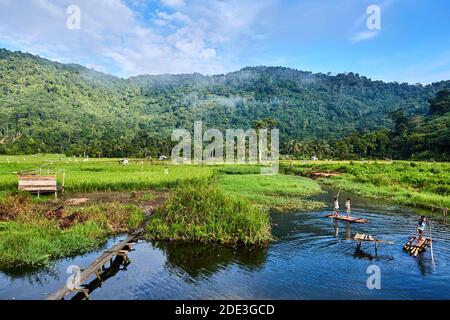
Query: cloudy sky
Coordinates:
[131,37]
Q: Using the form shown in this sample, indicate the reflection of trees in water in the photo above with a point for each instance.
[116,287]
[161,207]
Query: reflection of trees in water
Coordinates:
[34,276]
[200,260]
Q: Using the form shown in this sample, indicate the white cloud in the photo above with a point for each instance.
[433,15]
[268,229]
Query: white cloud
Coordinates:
[364,35]
[174,17]
[183,39]
[173,3]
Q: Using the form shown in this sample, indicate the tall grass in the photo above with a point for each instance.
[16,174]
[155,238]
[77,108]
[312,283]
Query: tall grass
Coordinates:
[36,246]
[203,213]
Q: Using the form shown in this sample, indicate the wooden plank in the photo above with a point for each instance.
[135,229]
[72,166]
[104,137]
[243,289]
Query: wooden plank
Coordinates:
[37,177]
[37,183]
[43,189]
[42,185]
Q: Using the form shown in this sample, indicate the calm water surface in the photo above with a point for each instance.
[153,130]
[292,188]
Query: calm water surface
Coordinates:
[312,258]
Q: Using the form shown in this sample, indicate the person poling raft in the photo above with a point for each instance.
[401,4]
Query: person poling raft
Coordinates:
[336,215]
[417,244]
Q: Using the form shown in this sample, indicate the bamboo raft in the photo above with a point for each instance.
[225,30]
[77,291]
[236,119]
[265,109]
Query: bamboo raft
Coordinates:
[347,219]
[416,246]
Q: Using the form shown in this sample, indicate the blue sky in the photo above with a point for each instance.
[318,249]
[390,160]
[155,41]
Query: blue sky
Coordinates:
[131,37]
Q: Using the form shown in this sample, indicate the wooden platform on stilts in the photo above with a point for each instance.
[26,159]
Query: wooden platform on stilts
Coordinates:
[416,245]
[359,237]
[97,268]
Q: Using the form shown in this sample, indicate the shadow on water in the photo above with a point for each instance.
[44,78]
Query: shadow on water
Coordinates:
[361,253]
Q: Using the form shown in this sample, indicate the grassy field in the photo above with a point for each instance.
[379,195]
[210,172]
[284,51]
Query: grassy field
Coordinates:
[417,184]
[278,192]
[33,234]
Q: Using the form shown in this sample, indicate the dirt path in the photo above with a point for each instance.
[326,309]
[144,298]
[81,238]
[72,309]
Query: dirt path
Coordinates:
[64,209]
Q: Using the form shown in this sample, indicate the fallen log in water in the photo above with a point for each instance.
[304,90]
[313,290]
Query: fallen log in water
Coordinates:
[98,267]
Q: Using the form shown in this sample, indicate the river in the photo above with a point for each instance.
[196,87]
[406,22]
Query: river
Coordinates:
[312,258]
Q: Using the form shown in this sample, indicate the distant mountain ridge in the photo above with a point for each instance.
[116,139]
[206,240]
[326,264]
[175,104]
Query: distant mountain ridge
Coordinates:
[47,106]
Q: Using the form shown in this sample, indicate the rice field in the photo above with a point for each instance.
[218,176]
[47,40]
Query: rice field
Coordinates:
[90,175]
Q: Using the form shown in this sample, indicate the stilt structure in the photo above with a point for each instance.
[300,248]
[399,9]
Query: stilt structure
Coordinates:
[361,237]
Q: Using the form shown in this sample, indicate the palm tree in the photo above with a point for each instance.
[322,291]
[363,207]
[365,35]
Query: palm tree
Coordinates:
[266,123]
[295,147]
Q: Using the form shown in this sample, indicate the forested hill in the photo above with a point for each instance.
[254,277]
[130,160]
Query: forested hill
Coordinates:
[51,107]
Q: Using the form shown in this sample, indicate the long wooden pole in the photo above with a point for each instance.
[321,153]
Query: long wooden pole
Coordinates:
[431,245]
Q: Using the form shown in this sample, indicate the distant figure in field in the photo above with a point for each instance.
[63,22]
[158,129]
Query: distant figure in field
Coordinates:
[421,225]
[336,206]
[348,207]
[125,162]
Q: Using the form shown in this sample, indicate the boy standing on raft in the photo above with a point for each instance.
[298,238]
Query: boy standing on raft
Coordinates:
[348,207]
[421,225]
[336,206]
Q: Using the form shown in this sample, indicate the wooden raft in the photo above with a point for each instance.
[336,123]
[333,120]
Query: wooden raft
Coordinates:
[345,218]
[414,246]
[39,184]
[97,267]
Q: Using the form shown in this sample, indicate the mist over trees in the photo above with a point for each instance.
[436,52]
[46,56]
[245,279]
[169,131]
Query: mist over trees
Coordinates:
[49,107]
